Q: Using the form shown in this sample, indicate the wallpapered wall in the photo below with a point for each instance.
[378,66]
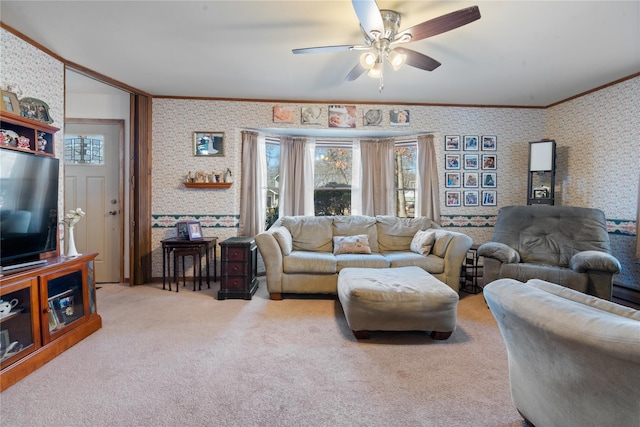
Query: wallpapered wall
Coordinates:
[597,137]
[34,74]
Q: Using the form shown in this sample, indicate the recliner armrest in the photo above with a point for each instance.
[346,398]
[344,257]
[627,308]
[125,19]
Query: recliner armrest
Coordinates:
[594,260]
[499,251]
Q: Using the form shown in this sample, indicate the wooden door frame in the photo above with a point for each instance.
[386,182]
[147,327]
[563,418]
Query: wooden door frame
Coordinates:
[121,192]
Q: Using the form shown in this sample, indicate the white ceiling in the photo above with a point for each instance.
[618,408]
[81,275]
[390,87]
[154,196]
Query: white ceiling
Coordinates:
[524,53]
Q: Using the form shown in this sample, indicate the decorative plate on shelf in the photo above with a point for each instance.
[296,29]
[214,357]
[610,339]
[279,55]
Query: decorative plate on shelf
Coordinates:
[8,137]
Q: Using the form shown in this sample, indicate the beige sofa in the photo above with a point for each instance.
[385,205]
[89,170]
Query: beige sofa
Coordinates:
[574,359]
[299,258]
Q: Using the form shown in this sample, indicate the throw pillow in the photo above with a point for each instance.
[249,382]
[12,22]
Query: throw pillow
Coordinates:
[443,238]
[423,242]
[284,239]
[358,244]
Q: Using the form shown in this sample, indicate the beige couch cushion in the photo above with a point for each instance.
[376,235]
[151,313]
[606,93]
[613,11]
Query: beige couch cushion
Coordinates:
[310,233]
[443,238]
[284,239]
[357,224]
[309,262]
[395,234]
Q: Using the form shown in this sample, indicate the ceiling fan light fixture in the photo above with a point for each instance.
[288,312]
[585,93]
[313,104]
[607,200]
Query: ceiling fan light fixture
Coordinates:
[376,71]
[396,59]
[368,60]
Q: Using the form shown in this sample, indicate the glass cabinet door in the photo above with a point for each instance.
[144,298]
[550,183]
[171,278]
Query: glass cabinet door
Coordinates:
[18,330]
[65,301]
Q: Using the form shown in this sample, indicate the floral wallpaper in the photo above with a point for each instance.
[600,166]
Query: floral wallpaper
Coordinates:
[31,73]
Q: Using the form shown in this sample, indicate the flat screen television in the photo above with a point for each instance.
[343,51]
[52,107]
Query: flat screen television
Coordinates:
[28,206]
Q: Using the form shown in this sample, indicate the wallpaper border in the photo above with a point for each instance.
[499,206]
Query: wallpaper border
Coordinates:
[206,221]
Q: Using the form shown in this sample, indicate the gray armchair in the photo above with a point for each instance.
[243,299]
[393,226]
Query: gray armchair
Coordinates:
[561,244]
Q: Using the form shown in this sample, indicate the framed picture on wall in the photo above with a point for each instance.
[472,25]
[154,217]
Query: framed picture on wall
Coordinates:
[452,142]
[452,161]
[489,143]
[489,161]
[471,179]
[399,117]
[452,198]
[471,143]
[489,179]
[452,179]
[488,197]
[208,144]
[283,114]
[471,198]
[471,161]
[195,230]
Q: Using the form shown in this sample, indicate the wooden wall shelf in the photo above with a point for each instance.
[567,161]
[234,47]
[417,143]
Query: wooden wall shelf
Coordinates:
[219,185]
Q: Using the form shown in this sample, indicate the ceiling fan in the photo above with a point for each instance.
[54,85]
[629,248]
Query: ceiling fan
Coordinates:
[382,39]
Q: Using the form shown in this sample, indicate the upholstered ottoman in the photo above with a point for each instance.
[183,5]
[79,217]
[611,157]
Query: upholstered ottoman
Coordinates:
[397,299]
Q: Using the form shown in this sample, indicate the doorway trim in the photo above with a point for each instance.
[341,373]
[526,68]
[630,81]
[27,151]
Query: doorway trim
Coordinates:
[121,179]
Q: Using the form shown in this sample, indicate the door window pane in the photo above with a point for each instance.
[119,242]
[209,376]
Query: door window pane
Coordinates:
[84,150]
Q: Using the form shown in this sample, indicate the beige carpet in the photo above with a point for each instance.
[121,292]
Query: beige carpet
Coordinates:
[187,359]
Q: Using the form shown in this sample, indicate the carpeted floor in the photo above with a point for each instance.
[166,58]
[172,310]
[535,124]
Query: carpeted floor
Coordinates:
[186,359]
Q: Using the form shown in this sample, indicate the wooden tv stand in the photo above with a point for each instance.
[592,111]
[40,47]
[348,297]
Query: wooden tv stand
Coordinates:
[55,308]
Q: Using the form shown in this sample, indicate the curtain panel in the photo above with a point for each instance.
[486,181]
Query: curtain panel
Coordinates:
[378,177]
[253,193]
[428,196]
[296,173]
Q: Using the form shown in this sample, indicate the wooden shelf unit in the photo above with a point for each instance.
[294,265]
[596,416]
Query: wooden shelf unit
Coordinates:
[56,309]
[219,185]
[31,129]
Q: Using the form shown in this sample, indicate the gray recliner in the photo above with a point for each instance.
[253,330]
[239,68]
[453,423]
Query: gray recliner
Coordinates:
[566,245]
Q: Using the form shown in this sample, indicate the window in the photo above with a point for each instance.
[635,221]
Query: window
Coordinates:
[272,148]
[332,179]
[405,178]
[84,150]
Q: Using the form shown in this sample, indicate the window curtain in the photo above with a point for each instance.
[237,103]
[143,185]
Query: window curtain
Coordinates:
[296,173]
[638,227]
[253,180]
[427,191]
[378,179]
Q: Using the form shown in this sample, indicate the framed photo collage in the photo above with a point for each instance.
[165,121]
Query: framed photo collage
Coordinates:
[470,170]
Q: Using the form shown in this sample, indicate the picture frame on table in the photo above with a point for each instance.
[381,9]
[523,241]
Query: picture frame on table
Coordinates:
[471,161]
[489,180]
[452,179]
[471,198]
[208,144]
[489,143]
[452,161]
[471,143]
[182,230]
[195,230]
[452,198]
[489,198]
[452,142]
[489,161]
[10,102]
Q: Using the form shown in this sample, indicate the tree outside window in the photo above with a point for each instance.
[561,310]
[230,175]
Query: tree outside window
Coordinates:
[332,180]
[405,179]
[273,182]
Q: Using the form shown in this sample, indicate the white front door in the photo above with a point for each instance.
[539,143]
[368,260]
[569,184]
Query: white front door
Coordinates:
[92,182]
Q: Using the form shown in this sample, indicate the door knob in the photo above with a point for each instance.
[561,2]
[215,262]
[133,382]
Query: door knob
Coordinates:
[113,212]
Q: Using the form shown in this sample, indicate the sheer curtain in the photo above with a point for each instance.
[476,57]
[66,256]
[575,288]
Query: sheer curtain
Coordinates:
[638,228]
[377,184]
[253,191]
[427,191]
[296,173]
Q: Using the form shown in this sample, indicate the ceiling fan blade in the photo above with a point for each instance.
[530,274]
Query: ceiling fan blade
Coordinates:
[323,49]
[442,24]
[355,72]
[418,60]
[369,15]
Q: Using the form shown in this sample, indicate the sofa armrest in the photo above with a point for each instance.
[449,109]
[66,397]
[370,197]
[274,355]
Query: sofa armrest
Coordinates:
[594,260]
[272,258]
[499,251]
[453,258]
